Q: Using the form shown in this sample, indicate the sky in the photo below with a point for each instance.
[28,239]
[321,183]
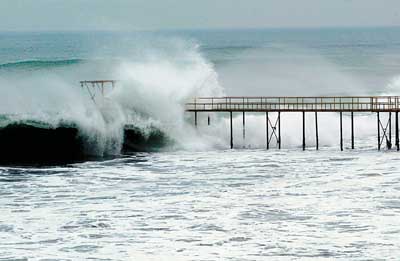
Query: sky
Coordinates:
[50,15]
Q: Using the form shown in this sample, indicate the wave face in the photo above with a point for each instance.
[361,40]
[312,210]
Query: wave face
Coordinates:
[27,144]
[32,142]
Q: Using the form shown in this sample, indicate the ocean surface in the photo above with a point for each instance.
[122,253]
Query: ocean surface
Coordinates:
[195,199]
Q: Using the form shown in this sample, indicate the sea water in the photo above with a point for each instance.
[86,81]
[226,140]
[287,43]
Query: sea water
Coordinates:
[196,199]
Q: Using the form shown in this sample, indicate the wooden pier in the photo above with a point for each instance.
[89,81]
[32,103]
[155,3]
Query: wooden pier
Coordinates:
[278,105]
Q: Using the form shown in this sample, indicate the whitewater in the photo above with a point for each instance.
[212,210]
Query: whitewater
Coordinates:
[193,198]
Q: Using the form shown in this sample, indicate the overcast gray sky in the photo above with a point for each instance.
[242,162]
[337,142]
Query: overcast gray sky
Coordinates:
[34,15]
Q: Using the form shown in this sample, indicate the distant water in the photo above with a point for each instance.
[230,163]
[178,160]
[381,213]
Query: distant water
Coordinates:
[197,200]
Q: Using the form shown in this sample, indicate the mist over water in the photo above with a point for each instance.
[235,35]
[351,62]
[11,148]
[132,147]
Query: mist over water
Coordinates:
[196,199]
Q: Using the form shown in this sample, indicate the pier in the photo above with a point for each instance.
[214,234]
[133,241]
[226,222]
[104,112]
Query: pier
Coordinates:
[304,105]
[97,87]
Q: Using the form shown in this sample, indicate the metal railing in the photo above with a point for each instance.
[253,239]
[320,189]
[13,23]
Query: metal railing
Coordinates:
[328,104]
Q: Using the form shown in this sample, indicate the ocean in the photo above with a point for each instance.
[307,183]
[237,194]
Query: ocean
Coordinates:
[193,198]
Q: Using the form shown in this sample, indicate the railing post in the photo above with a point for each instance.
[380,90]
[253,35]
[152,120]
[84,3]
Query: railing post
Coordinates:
[352,104]
[279,103]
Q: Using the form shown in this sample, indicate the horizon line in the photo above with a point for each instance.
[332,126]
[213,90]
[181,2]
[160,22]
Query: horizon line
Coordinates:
[200,29]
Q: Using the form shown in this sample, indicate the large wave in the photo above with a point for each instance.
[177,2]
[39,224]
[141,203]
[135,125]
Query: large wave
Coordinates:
[147,104]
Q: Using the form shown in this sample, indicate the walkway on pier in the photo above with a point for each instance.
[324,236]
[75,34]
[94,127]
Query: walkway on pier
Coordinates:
[371,104]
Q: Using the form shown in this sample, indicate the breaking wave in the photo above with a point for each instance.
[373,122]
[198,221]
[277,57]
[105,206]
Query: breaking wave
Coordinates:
[144,112]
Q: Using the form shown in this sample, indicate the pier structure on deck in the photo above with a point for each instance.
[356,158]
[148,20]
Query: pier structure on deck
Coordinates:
[278,105]
[98,87]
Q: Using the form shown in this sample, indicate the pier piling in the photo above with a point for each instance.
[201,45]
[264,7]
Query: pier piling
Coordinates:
[390,131]
[267,129]
[397,131]
[379,131]
[304,130]
[341,131]
[316,132]
[231,121]
[279,129]
[352,130]
[244,127]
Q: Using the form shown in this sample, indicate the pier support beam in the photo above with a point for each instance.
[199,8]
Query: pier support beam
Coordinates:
[397,131]
[304,130]
[379,131]
[386,128]
[352,130]
[279,129]
[389,143]
[267,128]
[316,132]
[275,127]
[244,127]
[231,121]
[341,131]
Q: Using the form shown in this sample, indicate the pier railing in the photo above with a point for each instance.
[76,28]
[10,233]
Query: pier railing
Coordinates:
[293,104]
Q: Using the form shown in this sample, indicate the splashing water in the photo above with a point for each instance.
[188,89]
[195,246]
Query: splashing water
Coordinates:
[151,92]
[154,82]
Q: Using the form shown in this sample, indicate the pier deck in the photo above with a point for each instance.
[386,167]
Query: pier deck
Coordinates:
[339,104]
[296,104]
